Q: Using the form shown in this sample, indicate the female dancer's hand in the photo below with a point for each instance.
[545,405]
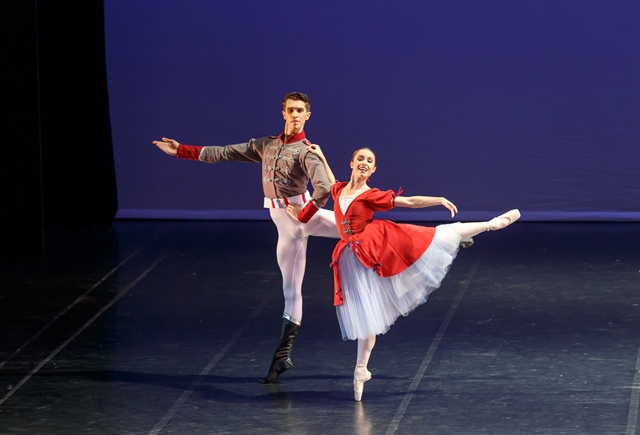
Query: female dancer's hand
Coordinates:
[293,211]
[169,146]
[449,205]
[315,149]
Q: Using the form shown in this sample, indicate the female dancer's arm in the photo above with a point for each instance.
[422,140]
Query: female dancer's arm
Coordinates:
[425,201]
[315,149]
[292,209]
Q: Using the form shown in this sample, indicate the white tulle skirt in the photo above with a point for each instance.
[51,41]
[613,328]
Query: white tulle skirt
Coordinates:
[371,304]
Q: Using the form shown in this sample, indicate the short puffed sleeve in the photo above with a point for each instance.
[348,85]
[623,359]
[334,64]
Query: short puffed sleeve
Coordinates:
[381,200]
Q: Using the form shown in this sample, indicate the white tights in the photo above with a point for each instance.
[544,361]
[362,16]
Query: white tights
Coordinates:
[466,230]
[365,346]
[291,252]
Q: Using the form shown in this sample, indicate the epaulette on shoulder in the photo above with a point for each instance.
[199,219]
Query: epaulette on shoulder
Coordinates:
[306,142]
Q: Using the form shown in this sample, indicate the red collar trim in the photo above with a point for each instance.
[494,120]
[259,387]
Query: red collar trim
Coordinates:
[295,138]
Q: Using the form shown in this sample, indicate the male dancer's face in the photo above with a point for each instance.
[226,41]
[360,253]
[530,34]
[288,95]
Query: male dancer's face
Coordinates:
[295,115]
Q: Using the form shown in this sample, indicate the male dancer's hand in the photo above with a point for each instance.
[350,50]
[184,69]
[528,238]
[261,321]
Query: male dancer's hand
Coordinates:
[293,211]
[169,146]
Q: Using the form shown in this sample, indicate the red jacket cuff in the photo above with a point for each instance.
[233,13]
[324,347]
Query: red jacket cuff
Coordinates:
[307,212]
[190,152]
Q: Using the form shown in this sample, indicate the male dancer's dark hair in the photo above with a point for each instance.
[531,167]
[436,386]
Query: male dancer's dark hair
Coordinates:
[297,96]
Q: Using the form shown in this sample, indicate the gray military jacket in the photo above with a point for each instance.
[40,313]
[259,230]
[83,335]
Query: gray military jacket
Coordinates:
[287,167]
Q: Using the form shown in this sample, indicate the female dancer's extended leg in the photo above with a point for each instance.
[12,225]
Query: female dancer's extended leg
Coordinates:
[467,230]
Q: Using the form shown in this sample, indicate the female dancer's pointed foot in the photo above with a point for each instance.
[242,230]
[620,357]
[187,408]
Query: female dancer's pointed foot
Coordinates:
[360,376]
[504,220]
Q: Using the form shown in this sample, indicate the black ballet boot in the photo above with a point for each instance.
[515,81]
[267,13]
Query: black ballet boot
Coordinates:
[282,358]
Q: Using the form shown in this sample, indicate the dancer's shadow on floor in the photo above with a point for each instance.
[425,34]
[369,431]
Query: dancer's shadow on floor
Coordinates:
[210,387]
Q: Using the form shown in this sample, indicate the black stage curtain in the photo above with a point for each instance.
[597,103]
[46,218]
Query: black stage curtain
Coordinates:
[58,158]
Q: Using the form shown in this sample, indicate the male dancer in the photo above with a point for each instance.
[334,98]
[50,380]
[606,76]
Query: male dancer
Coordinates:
[287,168]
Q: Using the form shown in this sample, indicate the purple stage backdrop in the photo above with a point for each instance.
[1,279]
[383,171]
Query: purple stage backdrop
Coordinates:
[494,104]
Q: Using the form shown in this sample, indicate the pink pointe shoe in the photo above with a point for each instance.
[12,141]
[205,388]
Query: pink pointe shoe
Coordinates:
[504,220]
[360,376]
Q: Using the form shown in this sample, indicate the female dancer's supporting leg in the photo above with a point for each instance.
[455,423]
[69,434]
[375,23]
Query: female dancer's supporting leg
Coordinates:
[361,374]
[466,230]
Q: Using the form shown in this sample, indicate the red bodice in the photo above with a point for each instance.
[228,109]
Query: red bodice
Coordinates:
[385,246]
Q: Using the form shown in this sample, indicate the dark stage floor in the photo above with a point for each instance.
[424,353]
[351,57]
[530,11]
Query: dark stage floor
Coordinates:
[162,327]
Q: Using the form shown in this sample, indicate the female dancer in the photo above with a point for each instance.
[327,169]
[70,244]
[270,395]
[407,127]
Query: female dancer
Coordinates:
[383,270]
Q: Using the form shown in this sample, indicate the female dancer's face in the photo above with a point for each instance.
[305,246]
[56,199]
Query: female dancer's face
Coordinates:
[363,163]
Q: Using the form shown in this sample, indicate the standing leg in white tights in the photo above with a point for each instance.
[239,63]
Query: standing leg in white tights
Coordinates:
[361,374]
[291,253]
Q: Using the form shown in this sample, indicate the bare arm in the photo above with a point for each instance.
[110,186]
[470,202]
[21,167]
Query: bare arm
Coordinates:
[315,149]
[294,210]
[425,201]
